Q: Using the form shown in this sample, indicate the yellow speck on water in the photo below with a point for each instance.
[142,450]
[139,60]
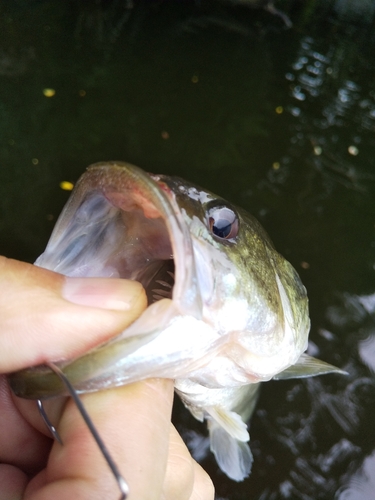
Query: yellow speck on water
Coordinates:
[276,165]
[82,93]
[352,150]
[279,110]
[164,135]
[305,265]
[194,79]
[66,185]
[49,92]
[35,161]
[317,150]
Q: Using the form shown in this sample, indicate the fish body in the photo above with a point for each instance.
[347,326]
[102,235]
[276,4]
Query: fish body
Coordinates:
[226,310]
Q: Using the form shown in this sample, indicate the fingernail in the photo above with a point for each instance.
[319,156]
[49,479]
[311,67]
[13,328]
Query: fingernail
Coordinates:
[105,293]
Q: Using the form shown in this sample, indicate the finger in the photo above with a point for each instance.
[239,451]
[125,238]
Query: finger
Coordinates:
[134,423]
[185,479]
[46,316]
[29,410]
[13,482]
[20,444]
[179,477]
[203,486]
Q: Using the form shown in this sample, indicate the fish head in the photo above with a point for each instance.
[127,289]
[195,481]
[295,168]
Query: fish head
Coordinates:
[249,293]
[234,313]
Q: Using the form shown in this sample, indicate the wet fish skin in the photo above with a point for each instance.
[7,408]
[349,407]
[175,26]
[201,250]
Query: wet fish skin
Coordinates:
[253,255]
[238,314]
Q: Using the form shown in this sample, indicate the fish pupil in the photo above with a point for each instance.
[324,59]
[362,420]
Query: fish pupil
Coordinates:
[223,223]
[221,228]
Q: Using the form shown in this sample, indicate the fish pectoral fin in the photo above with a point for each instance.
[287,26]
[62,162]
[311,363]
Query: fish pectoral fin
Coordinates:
[232,455]
[307,366]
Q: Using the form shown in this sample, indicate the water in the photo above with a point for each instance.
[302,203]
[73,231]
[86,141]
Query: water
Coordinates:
[279,121]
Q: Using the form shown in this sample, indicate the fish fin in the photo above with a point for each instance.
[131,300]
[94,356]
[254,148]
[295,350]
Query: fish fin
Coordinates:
[307,366]
[230,421]
[196,411]
[233,456]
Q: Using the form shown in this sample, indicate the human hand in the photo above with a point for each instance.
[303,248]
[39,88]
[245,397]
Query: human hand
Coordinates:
[45,316]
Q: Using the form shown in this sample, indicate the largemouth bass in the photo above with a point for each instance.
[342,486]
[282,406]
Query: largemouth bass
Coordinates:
[226,311]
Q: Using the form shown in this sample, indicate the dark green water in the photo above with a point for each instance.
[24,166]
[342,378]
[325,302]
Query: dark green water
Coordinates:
[281,122]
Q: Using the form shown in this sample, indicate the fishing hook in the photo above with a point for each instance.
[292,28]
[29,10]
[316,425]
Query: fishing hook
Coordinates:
[122,484]
[47,421]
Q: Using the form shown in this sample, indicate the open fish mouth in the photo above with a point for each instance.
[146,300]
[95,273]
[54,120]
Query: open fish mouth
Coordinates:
[125,225]
[120,222]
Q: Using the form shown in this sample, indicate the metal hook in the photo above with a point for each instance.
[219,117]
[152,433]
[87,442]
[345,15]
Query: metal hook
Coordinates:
[122,484]
[47,421]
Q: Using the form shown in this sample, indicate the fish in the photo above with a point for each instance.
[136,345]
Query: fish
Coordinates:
[226,312]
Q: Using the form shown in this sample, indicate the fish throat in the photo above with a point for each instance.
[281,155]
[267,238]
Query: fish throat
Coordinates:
[144,252]
[120,234]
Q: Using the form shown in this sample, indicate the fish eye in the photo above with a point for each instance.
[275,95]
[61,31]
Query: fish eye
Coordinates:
[223,223]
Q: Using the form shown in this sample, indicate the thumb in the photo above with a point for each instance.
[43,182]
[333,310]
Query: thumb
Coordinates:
[47,316]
